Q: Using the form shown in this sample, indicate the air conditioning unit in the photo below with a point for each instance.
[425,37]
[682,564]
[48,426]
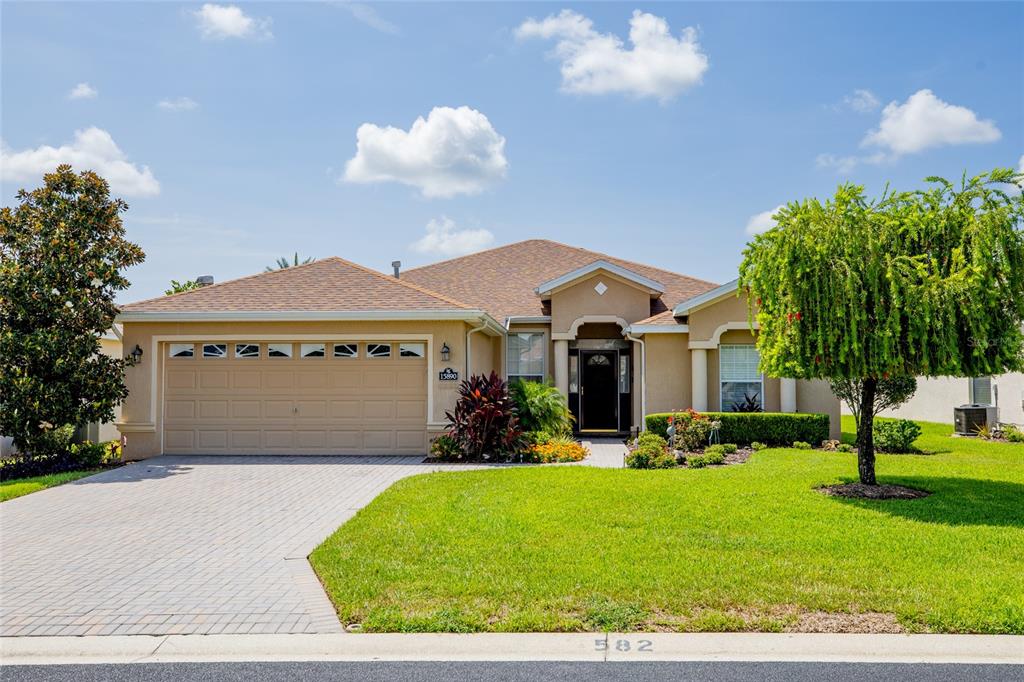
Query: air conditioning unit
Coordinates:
[967,419]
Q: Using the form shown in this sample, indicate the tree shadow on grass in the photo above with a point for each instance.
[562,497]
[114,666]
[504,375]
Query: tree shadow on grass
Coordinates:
[953,502]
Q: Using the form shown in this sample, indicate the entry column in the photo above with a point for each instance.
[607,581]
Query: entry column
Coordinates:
[699,377]
[562,367]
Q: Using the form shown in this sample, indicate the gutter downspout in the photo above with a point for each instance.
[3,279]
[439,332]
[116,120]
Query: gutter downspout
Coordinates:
[643,378]
[469,345]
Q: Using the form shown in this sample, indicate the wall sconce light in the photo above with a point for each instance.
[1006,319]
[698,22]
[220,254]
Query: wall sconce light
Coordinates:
[136,354]
[446,352]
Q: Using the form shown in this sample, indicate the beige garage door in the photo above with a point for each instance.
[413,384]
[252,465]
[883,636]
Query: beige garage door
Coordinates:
[295,398]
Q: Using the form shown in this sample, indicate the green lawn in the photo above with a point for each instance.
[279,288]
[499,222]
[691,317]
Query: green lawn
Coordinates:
[23,486]
[748,547]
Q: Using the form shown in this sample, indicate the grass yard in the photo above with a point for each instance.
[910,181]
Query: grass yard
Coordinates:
[23,486]
[746,547]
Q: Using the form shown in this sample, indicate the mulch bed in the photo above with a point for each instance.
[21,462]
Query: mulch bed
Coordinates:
[873,492]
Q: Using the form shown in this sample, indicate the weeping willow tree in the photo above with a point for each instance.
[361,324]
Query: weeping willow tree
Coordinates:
[925,283]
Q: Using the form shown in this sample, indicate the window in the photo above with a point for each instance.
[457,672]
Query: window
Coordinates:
[981,391]
[247,350]
[378,350]
[411,350]
[215,350]
[181,350]
[741,382]
[574,374]
[311,350]
[346,350]
[279,350]
[525,356]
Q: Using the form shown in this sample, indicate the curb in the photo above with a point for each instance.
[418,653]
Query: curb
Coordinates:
[849,648]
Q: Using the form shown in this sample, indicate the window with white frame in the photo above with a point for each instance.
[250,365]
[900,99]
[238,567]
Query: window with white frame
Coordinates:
[181,350]
[311,350]
[346,350]
[524,359]
[742,385]
[215,350]
[247,350]
[411,350]
[378,350]
[981,391]
[279,350]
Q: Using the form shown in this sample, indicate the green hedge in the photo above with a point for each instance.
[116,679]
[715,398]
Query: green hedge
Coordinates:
[771,428]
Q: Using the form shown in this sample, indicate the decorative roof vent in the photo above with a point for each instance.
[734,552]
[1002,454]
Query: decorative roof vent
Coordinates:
[204,280]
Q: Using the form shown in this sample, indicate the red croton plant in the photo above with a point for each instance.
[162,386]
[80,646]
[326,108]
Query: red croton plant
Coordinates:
[484,422]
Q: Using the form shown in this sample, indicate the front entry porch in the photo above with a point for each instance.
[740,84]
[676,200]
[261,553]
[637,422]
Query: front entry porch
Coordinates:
[600,384]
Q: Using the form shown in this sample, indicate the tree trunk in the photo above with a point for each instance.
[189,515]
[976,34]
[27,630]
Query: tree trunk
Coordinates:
[865,435]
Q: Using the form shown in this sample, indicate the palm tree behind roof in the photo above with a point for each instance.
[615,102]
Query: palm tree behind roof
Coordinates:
[283,263]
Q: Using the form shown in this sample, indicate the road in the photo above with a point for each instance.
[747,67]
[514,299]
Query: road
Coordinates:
[514,672]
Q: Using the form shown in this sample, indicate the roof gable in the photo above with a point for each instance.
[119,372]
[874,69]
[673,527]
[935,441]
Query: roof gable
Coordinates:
[503,280]
[637,280]
[705,299]
[328,285]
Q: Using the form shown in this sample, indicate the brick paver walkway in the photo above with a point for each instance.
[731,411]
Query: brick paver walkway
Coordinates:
[182,545]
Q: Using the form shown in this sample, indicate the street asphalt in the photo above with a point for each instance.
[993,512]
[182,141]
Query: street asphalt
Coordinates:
[514,672]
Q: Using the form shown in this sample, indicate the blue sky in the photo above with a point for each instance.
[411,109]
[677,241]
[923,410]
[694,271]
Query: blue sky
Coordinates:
[232,129]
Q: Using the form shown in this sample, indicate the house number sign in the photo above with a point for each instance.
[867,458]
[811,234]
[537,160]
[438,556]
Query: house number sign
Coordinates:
[448,374]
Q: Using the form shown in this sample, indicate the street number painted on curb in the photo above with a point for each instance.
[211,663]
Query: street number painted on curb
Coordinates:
[623,645]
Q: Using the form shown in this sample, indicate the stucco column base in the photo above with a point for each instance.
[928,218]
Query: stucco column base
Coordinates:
[787,394]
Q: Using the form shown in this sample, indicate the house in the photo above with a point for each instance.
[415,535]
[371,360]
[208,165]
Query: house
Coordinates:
[937,396]
[333,357]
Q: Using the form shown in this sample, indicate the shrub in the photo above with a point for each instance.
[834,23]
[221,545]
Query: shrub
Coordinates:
[771,428]
[729,448]
[558,449]
[446,449]
[712,455]
[896,435]
[484,422]
[541,407]
[89,455]
[715,449]
[647,437]
[1013,434]
[692,430]
[650,456]
[845,447]
[801,445]
[757,446]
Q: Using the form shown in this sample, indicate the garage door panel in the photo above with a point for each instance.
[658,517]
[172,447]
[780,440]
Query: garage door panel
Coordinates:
[181,379]
[213,409]
[181,409]
[299,405]
[245,409]
[213,379]
[411,409]
[311,409]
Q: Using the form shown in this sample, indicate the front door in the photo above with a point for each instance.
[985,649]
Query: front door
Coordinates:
[599,391]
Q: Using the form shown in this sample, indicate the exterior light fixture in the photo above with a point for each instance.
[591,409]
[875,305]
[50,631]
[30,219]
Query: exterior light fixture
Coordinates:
[446,352]
[136,354]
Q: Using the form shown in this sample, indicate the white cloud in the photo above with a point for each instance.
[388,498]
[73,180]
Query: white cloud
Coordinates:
[443,239]
[178,104]
[368,15]
[863,101]
[452,151]
[218,22]
[762,222]
[83,91]
[92,149]
[658,65]
[925,121]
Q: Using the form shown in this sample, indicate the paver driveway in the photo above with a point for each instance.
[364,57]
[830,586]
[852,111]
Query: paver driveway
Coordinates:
[183,545]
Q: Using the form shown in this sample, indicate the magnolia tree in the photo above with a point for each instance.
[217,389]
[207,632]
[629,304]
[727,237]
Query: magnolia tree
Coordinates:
[858,292]
[63,250]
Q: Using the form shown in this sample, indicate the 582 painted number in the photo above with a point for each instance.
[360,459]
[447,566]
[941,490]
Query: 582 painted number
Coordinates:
[623,645]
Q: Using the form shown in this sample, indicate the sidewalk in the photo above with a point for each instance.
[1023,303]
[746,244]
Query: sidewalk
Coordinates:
[595,647]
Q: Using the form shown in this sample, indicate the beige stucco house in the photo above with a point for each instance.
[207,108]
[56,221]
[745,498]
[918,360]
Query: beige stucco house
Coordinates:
[333,357]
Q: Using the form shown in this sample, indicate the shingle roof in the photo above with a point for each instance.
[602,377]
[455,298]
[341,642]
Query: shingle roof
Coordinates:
[664,318]
[502,280]
[331,284]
